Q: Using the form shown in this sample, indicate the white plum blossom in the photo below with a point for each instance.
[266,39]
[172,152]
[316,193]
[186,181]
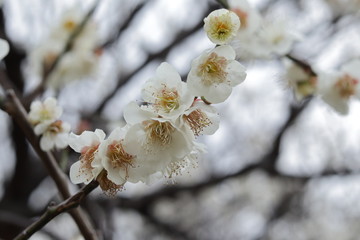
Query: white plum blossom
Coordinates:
[54,134]
[166,93]
[214,73]
[44,111]
[121,166]
[44,116]
[201,118]
[337,88]
[247,43]
[277,37]
[154,139]
[303,83]
[221,26]
[89,165]
[250,17]
[4,48]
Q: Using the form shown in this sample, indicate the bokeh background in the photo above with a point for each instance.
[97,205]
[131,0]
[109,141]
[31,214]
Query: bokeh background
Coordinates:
[275,169]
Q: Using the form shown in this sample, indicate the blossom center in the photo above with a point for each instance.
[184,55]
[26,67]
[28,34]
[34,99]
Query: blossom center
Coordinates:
[307,87]
[118,157]
[346,86]
[55,127]
[168,100]
[197,121]
[87,157]
[69,25]
[212,71]
[159,132]
[221,27]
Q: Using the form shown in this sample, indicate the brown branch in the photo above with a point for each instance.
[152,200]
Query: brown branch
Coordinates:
[68,46]
[15,109]
[53,211]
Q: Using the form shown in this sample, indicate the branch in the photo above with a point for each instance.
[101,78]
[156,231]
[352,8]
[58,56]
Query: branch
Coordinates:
[53,211]
[68,46]
[305,66]
[223,3]
[125,24]
[15,109]
[172,231]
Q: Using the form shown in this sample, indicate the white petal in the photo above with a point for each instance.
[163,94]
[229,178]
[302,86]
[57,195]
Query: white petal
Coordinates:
[166,71]
[42,127]
[46,143]
[352,68]
[218,94]
[61,140]
[225,51]
[4,48]
[236,73]
[77,174]
[134,114]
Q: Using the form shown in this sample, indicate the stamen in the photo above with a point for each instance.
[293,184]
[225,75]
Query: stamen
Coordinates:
[109,188]
[346,86]
[69,25]
[159,132]
[197,121]
[168,100]
[55,127]
[212,71]
[221,27]
[118,157]
[87,157]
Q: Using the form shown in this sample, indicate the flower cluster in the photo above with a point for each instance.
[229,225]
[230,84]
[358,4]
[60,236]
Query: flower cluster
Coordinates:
[255,37]
[159,139]
[336,88]
[44,116]
[76,64]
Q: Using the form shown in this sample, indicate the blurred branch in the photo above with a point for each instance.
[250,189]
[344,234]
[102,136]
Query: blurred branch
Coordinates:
[15,109]
[179,37]
[305,66]
[284,204]
[68,46]
[223,3]
[167,228]
[53,211]
[125,24]
[14,223]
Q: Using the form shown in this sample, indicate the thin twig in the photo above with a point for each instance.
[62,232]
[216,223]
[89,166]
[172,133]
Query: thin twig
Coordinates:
[53,211]
[125,24]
